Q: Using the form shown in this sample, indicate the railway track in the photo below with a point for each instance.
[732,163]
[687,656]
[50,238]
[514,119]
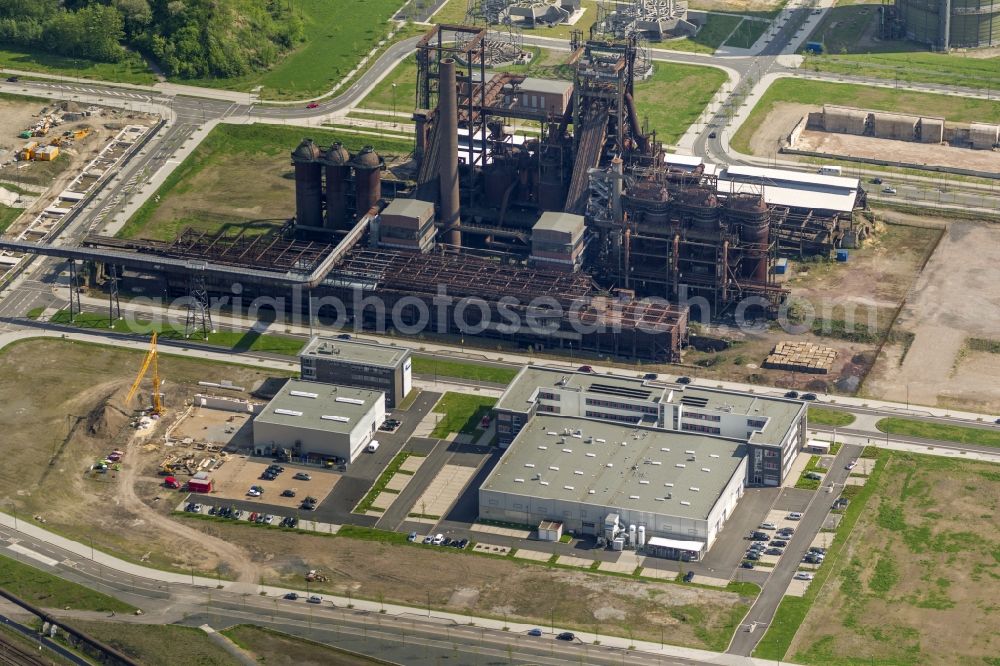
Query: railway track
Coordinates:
[13,654]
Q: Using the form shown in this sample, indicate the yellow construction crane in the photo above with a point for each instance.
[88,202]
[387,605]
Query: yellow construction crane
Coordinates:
[150,360]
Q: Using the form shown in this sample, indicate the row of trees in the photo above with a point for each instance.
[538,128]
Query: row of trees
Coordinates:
[188,38]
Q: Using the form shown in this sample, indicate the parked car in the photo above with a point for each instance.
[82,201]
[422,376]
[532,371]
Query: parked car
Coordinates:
[535,632]
[302,476]
[746,565]
[566,636]
[585,368]
[372,446]
[786,530]
[689,576]
[312,105]
[817,549]
[650,376]
[712,134]
[344,336]
[768,526]
[753,556]
[412,537]
[288,492]
[851,465]
[889,189]
[462,543]
[794,515]
[315,599]
[760,536]
[792,394]
[12,79]
[429,538]
[778,543]
[774,551]
[841,503]
[808,396]
[876,181]
[814,476]
[438,539]
[803,575]
[683,380]
[292,596]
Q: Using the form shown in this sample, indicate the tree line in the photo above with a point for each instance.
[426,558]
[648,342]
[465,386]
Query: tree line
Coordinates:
[187,38]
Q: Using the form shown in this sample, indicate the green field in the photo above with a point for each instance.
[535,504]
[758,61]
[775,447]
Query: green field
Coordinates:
[710,37]
[955,109]
[277,649]
[131,70]
[439,367]
[792,610]
[747,33]
[673,98]
[335,41]
[404,77]
[237,341]
[845,34]
[916,580]
[830,417]
[7,216]
[225,161]
[159,644]
[48,591]
[462,413]
[938,431]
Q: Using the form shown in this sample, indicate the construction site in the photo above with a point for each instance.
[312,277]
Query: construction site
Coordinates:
[578,226]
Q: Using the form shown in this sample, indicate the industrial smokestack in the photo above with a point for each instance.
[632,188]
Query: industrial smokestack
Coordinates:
[448,153]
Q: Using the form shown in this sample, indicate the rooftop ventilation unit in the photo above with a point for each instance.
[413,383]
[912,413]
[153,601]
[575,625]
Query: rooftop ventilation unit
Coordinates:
[601,440]
[352,401]
[567,487]
[518,480]
[683,503]
[543,448]
[680,465]
[694,489]
[668,484]
[713,455]
[303,394]
[544,483]
[643,482]
[567,450]
[690,453]
[591,455]
[340,419]
[665,449]
[706,469]
[578,472]
[553,468]
[287,412]
[655,462]
[529,465]
[633,497]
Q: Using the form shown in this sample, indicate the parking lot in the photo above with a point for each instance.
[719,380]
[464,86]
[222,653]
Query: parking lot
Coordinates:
[232,480]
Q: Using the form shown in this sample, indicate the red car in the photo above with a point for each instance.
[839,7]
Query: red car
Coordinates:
[312,105]
[171,482]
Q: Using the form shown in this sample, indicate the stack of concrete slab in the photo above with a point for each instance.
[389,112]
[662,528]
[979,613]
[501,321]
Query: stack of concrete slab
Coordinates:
[805,357]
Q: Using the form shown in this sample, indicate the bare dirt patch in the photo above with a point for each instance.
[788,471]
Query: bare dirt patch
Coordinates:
[491,586]
[954,299]
[60,403]
[777,126]
[918,580]
[834,145]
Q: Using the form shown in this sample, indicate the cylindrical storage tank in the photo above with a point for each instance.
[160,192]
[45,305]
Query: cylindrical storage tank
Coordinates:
[367,180]
[642,537]
[338,171]
[308,184]
[750,213]
[631,535]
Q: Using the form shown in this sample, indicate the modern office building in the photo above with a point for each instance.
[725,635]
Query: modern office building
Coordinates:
[360,364]
[611,480]
[318,421]
[773,429]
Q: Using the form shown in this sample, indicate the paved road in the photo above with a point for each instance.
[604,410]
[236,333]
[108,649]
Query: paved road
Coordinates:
[774,588]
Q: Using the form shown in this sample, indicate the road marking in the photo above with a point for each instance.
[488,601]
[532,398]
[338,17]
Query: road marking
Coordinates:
[18,548]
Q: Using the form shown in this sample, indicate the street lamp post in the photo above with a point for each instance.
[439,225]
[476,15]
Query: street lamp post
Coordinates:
[393,104]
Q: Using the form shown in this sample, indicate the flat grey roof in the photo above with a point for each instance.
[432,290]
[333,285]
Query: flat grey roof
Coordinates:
[531,378]
[319,406]
[559,86]
[408,208]
[638,476]
[781,413]
[355,351]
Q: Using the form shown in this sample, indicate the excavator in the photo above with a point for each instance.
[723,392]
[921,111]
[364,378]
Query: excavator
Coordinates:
[150,360]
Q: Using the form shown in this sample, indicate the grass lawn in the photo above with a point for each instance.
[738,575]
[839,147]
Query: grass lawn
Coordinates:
[830,417]
[429,365]
[390,470]
[404,77]
[462,413]
[674,97]
[811,466]
[49,591]
[230,157]
[955,109]
[938,431]
[747,33]
[131,70]
[158,644]
[716,30]
[792,610]
[916,581]
[241,341]
[7,216]
[277,649]
[336,38]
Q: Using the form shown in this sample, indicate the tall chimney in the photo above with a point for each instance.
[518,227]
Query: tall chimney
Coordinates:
[448,153]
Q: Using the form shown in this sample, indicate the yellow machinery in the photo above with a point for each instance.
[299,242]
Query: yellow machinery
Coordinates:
[150,360]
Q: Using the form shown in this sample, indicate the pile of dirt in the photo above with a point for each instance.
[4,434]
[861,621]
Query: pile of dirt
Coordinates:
[108,418]
[72,107]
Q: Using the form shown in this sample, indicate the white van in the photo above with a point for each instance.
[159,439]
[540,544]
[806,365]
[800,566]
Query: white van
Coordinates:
[830,170]
[373,446]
